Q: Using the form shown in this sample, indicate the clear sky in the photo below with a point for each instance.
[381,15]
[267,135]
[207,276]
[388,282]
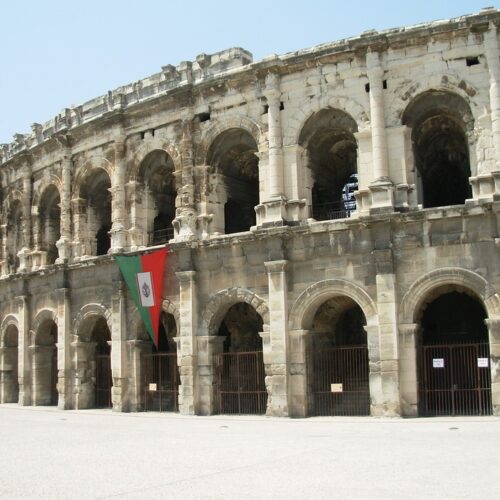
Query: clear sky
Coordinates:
[56,53]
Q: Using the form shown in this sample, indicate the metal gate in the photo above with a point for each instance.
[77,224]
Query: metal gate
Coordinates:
[160,382]
[240,383]
[103,381]
[340,384]
[455,379]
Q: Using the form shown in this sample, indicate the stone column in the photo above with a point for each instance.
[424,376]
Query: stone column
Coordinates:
[119,210]
[26,202]
[81,242]
[64,349]
[493,58]
[408,368]
[294,189]
[119,362]
[298,344]
[389,404]
[494,338]
[276,359]
[83,373]
[23,364]
[136,348]
[185,219]
[64,242]
[381,187]
[274,203]
[8,375]
[41,370]
[189,402]
[207,347]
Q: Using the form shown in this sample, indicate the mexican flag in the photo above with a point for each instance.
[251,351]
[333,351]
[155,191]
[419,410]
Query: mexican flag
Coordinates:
[144,277]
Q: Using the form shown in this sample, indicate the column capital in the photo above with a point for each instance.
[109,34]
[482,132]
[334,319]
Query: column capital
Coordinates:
[276,266]
[186,276]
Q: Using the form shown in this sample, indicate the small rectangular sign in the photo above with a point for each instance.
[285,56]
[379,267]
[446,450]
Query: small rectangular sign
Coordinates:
[482,362]
[145,288]
[336,388]
[152,387]
[438,363]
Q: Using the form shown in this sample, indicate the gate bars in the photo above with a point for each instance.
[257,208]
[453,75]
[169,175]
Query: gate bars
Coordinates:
[160,382]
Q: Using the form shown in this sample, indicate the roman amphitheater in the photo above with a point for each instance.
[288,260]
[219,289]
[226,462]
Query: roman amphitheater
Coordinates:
[333,223]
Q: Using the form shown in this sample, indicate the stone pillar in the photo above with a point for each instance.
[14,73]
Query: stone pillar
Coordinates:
[64,242]
[41,370]
[276,359]
[119,361]
[83,373]
[388,404]
[81,241]
[9,389]
[381,187]
[26,202]
[207,347]
[136,348]
[4,263]
[297,358]
[189,402]
[408,368]
[23,363]
[64,349]
[494,338]
[185,219]
[294,189]
[274,203]
[119,209]
[493,58]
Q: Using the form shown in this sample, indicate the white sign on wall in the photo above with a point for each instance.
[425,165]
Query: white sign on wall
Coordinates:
[482,362]
[152,387]
[438,363]
[336,387]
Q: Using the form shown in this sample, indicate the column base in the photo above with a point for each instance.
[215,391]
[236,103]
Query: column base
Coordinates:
[271,213]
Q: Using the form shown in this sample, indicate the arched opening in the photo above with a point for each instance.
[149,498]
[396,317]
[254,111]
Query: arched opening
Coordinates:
[160,370]
[239,369]
[101,338]
[157,180]
[454,356]
[233,160]
[14,235]
[9,387]
[338,366]
[328,137]
[440,123]
[95,191]
[50,222]
[44,361]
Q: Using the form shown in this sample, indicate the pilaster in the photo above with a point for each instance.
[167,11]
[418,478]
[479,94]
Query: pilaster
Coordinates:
[64,242]
[64,349]
[23,365]
[298,345]
[494,338]
[408,345]
[119,210]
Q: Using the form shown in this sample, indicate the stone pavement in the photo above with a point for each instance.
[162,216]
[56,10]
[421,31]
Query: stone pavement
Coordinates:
[94,454]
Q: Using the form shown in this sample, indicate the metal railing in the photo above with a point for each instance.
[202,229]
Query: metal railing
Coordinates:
[160,236]
[160,381]
[332,210]
[240,383]
[103,381]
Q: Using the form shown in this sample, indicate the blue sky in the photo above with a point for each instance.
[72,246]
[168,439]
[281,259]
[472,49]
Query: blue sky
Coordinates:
[55,53]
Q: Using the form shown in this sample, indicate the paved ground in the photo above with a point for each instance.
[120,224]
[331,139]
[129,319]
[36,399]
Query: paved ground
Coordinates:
[46,453]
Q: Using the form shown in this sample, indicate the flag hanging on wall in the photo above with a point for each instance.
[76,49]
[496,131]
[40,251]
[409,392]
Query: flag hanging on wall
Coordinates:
[144,277]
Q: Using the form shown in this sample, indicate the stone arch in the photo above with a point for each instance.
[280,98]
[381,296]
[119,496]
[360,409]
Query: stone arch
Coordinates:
[448,82]
[9,320]
[52,180]
[421,291]
[304,308]
[89,311]
[150,145]
[169,307]
[219,304]
[40,318]
[308,107]
[14,196]
[220,126]
[90,164]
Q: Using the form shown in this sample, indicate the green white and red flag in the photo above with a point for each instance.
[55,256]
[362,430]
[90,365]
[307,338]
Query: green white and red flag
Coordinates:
[144,277]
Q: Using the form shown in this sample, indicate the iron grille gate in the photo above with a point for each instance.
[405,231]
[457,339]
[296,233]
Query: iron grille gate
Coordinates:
[161,382]
[240,383]
[455,379]
[347,368]
[103,381]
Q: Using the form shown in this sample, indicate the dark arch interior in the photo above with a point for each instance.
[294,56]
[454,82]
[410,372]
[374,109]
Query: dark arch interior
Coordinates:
[47,336]
[232,156]
[440,122]
[166,333]
[454,317]
[101,336]
[157,176]
[14,234]
[50,222]
[240,327]
[328,137]
[11,338]
[96,191]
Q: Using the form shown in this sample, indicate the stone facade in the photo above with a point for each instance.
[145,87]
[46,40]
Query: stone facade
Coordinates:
[244,169]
